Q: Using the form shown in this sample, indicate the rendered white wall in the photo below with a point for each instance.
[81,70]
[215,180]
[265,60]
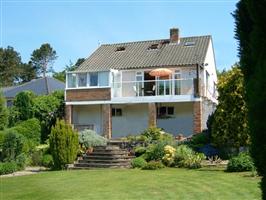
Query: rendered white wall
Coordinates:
[89,114]
[181,122]
[133,121]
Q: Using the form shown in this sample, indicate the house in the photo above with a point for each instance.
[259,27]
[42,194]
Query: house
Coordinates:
[121,89]
[40,86]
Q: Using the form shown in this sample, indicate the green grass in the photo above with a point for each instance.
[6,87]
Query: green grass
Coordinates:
[132,184]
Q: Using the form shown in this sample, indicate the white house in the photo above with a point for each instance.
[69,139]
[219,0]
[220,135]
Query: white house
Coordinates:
[121,89]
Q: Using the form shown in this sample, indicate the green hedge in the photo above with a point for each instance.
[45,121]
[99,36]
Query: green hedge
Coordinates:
[8,167]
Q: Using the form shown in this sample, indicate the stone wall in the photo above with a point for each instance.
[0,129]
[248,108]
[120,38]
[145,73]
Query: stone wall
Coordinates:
[88,94]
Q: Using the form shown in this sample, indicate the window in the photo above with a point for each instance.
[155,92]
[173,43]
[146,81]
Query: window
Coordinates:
[94,79]
[153,46]
[121,48]
[71,80]
[165,111]
[189,44]
[116,112]
[82,80]
[103,78]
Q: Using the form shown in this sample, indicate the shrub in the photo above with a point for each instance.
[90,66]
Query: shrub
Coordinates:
[139,151]
[36,158]
[152,133]
[198,141]
[31,129]
[169,155]
[63,144]
[89,138]
[3,112]
[23,103]
[240,163]
[138,162]
[13,145]
[21,161]
[155,151]
[186,157]
[47,161]
[153,165]
[8,167]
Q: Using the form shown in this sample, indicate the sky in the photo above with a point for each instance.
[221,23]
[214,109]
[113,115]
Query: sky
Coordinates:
[76,28]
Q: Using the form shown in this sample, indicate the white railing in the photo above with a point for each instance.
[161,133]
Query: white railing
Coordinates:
[153,88]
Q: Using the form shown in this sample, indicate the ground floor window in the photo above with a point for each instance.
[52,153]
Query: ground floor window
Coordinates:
[116,112]
[165,111]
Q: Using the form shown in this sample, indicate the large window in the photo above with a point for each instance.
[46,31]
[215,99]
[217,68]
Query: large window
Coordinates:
[87,80]
[82,80]
[94,79]
[71,80]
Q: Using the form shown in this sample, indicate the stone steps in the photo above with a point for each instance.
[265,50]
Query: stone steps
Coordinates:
[109,156]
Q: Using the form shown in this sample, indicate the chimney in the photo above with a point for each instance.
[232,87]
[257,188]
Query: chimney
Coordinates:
[174,35]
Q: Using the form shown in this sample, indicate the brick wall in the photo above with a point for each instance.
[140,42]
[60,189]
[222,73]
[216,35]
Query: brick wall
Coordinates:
[152,114]
[88,94]
[197,116]
[68,113]
[107,120]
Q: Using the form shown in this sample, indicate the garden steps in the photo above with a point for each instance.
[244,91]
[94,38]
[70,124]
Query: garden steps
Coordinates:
[110,156]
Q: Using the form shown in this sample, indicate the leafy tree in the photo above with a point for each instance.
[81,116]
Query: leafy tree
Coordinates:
[63,142]
[23,104]
[10,60]
[3,112]
[43,59]
[47,108]
[70,67]
[250,18]
[27,72]
[230,123]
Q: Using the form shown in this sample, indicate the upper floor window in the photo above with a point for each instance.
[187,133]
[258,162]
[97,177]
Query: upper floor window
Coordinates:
[91,79]
[82,80]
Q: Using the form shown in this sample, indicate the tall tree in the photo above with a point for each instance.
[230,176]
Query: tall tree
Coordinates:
[250,19]
[230,123]
[43,59]
[10,61]
[26,72]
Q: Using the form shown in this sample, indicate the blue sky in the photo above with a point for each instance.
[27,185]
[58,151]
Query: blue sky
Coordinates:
[75,28]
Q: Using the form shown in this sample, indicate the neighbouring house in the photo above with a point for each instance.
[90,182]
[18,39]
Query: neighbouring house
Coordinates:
[121,89]
[40,86]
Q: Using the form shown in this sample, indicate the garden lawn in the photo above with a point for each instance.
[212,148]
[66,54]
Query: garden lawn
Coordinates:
[123,184]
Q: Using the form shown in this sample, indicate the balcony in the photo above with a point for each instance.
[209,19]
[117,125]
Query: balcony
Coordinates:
[154,88]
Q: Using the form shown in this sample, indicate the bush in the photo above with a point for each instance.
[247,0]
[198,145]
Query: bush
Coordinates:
[23,103]
[13,145]
[63,144]
[8,167]
[153,165]
[89,138]
[138,162]
[31,129]
[155,151]
[36,158]
[242,162]
[198,141]
[186,157]
[139,151]
[152,133]
[169,155]
[21,161]
[3,112]
[47,161]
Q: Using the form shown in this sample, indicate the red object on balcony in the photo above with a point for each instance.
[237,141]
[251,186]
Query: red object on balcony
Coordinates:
[160,72]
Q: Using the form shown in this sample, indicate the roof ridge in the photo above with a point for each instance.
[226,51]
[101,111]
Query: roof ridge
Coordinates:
[143,41]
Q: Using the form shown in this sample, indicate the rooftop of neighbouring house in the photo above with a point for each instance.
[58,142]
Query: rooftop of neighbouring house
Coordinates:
[175,51]
[41,86]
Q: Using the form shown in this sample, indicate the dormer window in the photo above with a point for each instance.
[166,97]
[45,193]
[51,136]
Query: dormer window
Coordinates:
[153,47]
[190,44]
[121,48]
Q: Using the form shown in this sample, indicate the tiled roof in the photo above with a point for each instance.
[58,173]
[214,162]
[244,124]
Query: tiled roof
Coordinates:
[136,54]
[38,86]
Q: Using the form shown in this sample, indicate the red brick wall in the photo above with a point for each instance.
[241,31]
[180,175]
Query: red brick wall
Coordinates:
[107,120]
[68,113]
[152,114]
[197,115]
[88,94]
